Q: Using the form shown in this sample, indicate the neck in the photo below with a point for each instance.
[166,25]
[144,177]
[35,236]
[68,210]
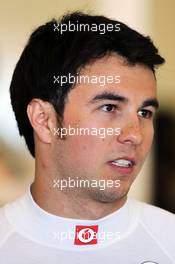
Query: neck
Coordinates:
[70,204]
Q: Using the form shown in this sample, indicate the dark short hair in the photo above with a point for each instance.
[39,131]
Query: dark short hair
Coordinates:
[50,52]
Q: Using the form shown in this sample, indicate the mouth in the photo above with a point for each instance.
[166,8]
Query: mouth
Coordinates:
[124,165]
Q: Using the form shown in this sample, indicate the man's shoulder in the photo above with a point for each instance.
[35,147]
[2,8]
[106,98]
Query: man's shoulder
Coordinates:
[5,228]
[3,219]
[157,221]
[153,215]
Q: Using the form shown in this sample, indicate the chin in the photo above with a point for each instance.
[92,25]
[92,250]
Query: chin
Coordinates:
[109,195]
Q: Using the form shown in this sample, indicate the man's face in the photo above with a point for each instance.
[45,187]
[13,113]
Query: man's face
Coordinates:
[126,105]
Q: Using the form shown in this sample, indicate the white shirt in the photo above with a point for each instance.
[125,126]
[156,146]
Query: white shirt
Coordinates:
[137,233]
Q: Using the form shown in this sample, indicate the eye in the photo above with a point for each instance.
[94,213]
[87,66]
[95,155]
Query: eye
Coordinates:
[109,108]
[146,113]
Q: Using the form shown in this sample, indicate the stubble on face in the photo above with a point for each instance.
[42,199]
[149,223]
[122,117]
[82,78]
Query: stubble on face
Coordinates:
[86,157]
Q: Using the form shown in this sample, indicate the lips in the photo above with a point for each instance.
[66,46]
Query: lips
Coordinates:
[124,165]
[125,160]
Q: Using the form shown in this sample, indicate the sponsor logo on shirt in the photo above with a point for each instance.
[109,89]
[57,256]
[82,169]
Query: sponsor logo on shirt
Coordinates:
[86,235]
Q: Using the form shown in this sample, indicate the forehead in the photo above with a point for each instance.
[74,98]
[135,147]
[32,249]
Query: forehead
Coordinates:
[135,81]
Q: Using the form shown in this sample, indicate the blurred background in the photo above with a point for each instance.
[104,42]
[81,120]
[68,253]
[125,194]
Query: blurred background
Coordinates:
[156,182]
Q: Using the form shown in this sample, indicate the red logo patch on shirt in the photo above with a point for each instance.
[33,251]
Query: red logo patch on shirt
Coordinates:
[86,235]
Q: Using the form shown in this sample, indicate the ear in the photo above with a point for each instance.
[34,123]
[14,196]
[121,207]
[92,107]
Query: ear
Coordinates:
[42,117]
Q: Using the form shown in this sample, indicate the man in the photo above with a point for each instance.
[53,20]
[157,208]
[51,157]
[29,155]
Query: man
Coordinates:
[84,97]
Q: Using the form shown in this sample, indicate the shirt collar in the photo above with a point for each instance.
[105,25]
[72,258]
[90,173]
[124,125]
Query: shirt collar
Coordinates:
[32,222]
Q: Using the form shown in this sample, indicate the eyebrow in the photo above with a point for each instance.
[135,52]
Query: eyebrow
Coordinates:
[151,102]
[116,97]
[109,96]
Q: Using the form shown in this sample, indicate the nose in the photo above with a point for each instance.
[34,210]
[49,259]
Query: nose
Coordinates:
[131,133]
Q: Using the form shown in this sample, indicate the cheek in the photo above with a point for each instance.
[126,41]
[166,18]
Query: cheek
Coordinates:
[89,143]
[85,152]
[148,138]
[86,146]
[86,149]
